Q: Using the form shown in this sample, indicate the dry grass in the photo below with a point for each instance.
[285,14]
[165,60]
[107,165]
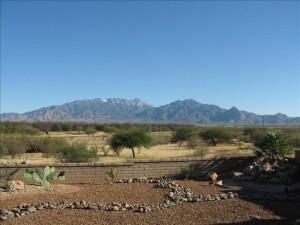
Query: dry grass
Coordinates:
[155,152]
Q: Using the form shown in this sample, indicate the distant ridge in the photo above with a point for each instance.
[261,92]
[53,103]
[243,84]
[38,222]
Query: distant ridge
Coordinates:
[187,111]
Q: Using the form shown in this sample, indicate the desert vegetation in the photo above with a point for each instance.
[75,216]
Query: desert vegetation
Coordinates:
[82,142]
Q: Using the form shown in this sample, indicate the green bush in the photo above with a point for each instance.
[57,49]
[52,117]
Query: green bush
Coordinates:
[90,130]
[160,139]
[274,145]
[183,134]
[46,145]
[200,151]
[3,149]
[18,128]
[216,135]
[77,153]
[12,145]
[189,172]
[254,134]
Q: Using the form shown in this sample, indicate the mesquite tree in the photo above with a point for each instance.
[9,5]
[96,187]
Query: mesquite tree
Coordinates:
[131,139]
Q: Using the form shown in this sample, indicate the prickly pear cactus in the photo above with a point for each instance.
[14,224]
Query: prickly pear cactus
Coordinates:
[43,177]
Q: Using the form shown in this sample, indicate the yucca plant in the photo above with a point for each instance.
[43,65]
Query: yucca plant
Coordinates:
[43,177]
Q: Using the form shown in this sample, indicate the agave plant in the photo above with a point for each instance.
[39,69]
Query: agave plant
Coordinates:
[274,145]
[43,177]
[112,173]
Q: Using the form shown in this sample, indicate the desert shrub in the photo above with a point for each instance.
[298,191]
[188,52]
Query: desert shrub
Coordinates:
[13,145]
[161,139]
[34,144]
[183,134]
[78,128]
[18,128]
[53,145]
[90,130]
[295,139]
[105,150]
[131,138]
[189,171]
[274,145]
[215,135]
[254,134]
[77,153]
[47,145]
[3,149]
[192,143]
[67,127]
[200,151]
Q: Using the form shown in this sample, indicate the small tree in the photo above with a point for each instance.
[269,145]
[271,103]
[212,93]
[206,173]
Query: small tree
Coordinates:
[274,145]
[90,130]
[215,135]
[183,134]
[131,138]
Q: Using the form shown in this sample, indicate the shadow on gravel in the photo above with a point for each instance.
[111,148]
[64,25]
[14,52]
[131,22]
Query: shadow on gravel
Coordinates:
[287,207]
[262,222]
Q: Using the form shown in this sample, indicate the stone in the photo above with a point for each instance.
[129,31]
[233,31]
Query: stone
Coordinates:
[15,185]
[4,211]
[2,217]
[31,209]
[213,176]
[219,182]
[16,210]
[115,208]
[92,207]
[238,174]
[223,196]
[10,214]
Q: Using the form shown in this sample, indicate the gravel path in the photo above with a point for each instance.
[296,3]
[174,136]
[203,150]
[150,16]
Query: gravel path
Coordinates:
[230,211]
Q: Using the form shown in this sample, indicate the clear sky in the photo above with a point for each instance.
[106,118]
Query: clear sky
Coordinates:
[244,54]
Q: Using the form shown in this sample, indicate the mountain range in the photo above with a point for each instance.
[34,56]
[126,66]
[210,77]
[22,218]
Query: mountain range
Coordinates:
[187,111]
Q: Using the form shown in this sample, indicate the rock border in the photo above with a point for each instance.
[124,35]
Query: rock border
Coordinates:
[177,195]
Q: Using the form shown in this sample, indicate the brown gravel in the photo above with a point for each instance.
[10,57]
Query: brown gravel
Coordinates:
[230,211]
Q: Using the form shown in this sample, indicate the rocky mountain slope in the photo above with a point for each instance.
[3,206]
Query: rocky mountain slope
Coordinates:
[136,110]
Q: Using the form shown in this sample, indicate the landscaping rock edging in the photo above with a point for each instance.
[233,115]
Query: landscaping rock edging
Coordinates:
[177,195]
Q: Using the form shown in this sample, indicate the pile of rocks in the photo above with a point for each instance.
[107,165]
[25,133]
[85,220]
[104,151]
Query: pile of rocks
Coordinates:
[177,195]
[263,170]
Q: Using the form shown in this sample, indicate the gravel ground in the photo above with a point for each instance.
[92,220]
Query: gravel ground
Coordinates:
[229,211]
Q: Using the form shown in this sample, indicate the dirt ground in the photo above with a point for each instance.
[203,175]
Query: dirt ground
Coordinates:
[231,211]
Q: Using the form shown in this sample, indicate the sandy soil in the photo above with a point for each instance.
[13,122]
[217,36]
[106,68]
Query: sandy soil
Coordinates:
[32,190]
[230,211]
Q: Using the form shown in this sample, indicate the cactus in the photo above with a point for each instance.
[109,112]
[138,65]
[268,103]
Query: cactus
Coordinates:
[43,177]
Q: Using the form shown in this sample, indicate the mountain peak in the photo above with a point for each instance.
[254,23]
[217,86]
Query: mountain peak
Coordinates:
[136,110]
[234,109]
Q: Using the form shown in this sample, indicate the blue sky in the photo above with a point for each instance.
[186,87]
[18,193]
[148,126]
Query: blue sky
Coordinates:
[243,54]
